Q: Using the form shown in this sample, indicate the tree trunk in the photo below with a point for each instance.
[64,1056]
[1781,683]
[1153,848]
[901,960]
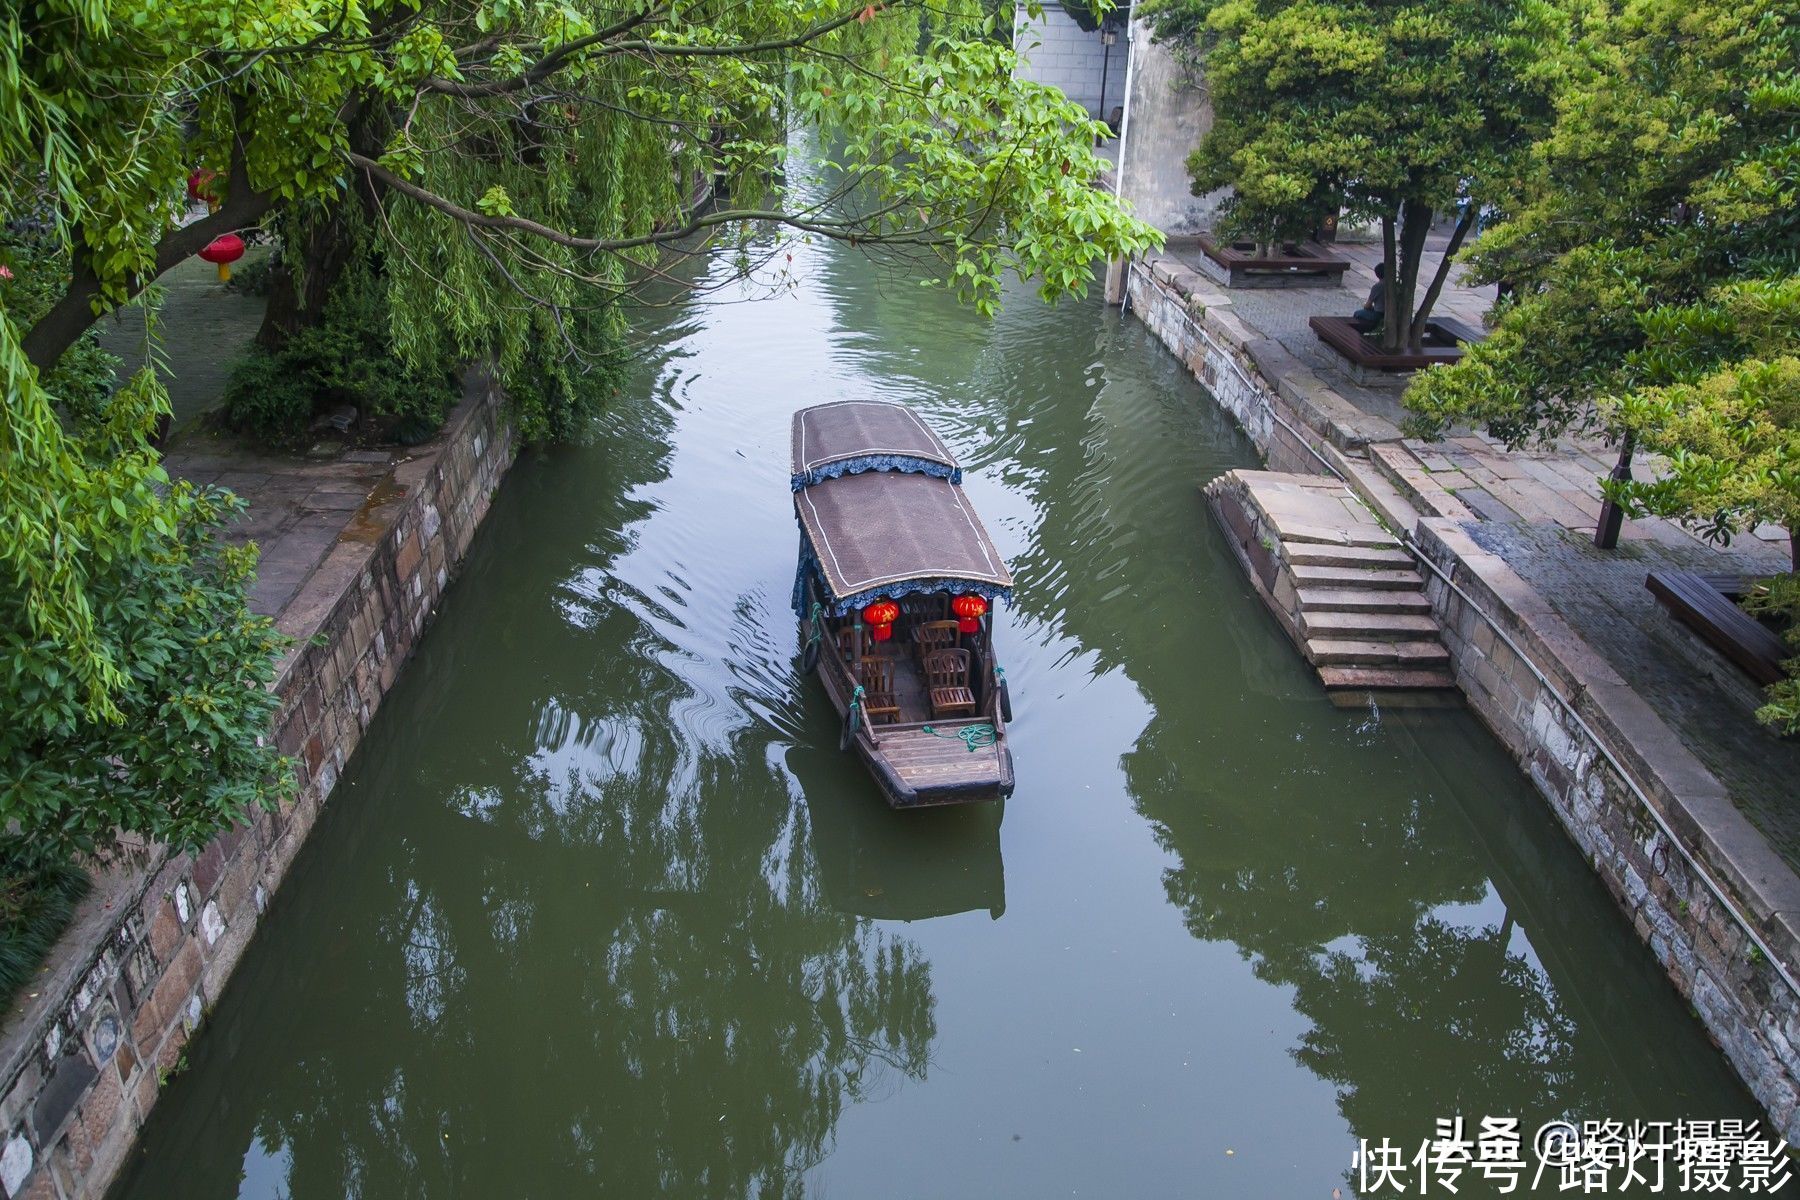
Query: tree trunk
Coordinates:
[1396,328]
[1612,517]
[1421,320]
[324,249]
[1389,263]
[326,242]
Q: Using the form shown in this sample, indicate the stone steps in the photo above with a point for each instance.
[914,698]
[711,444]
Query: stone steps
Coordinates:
[1379,679]
[1370,626]
[1362,578]
[1338,580]
[1313,554]
[1363,600]
[1350,652]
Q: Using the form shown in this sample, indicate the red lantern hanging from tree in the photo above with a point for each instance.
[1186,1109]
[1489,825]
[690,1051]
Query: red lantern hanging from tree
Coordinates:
[224,250]
[880,617]
[969,610]
[200,186]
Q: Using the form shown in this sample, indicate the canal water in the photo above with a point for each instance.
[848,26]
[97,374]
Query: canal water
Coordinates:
[600,909]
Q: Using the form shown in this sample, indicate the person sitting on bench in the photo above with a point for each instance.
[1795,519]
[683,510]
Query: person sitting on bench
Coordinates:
[1376,306]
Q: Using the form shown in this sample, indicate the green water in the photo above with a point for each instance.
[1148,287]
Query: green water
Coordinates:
[599,908]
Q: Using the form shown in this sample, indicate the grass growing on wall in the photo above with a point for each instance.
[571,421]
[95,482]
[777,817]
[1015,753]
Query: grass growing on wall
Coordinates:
[35,905]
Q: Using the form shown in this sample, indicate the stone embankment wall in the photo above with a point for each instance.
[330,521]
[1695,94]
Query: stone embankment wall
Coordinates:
[151,949]
[1715,904]
[1286,409]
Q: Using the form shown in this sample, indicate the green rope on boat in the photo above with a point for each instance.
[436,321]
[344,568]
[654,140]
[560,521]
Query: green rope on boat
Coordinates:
[856,698]
[818,626]
[975,737]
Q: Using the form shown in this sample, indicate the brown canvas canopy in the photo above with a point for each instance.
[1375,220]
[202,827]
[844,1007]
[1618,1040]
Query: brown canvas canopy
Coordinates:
[889,533]
[854,436]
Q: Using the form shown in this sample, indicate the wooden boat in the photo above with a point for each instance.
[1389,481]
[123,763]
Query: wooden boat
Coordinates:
[895,590]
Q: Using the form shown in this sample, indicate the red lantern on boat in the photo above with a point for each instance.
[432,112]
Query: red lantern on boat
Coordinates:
[880,617]
[224,250]
[969,610]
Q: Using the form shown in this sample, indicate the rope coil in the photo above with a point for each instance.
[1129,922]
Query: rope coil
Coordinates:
[975,737]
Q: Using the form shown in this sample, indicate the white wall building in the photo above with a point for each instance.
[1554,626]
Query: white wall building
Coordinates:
[1089,67]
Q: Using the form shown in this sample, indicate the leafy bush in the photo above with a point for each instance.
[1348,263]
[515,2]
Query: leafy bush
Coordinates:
[252,276]
[186,751]
[347,358]
[35,904]
[269,400]
[1780,598]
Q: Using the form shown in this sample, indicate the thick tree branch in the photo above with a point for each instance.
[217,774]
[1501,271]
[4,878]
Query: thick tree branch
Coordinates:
[74,314]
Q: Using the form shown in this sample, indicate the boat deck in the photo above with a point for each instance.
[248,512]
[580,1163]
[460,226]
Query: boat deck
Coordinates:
[938,763]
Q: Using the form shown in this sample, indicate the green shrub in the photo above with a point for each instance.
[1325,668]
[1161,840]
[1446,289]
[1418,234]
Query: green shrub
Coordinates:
[268,400]
[252,276]
[187,753]
[35,904]
[347,358]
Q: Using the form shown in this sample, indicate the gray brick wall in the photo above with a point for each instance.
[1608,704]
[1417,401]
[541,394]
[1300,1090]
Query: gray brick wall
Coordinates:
[1057,51]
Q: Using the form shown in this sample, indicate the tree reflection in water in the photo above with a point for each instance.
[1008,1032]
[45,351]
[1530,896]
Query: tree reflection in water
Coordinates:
[564,932]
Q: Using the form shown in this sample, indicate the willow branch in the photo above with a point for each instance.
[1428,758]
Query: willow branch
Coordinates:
[468,216]
[551,62]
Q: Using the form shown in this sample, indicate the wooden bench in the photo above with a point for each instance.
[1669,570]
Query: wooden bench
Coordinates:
[1444,342]
[1704,604]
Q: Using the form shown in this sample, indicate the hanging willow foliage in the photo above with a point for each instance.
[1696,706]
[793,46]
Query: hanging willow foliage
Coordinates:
[520,166]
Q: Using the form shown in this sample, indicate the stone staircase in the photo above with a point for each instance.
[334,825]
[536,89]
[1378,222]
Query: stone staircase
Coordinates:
[1338,582]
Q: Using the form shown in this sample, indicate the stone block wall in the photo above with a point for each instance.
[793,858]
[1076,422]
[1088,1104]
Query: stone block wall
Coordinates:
[1740,996]
[1057,51]
[131,981]
[1191,318]
[1741,993]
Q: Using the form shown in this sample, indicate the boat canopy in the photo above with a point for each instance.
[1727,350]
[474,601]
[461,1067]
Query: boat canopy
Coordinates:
[854,436]
[884,529]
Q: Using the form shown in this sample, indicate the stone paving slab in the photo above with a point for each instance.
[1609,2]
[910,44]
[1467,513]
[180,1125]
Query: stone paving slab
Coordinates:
[1281,314]
[299,508]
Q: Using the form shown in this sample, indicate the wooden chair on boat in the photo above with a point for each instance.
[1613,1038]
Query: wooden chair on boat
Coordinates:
[880,700]
[933,636]
[846,642]
[918,609]
[947,683]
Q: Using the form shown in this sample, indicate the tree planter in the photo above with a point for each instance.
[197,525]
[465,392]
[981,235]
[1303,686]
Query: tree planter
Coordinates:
[1298,265]
[1368,364]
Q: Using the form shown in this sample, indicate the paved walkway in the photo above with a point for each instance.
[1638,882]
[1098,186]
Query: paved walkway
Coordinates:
[299,508]
[1282,313]
[1537,510]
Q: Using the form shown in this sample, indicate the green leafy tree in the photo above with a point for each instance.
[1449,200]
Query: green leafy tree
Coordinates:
[521,168]
[523,165]
[1656,255]
[1392,112]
